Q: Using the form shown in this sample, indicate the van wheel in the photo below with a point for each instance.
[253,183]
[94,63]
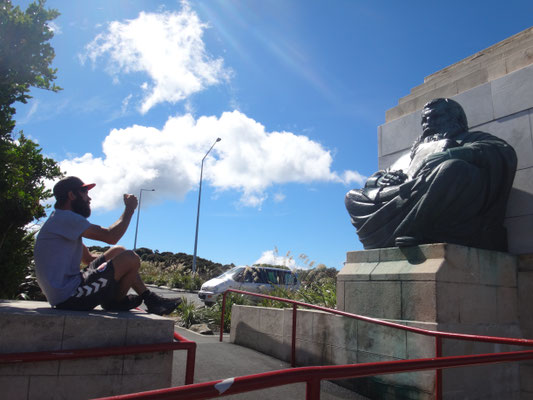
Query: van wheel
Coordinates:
[209,304]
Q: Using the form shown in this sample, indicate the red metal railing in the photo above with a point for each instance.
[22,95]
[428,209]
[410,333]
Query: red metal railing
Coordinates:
[190,347]
[436,334]
[181,344]
[313,375]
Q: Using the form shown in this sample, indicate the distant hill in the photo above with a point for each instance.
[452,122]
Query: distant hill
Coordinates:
[167,264]
[181,262]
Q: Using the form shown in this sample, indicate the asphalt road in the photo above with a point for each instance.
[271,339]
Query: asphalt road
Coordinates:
[172,293]
[165,292]
[220,360]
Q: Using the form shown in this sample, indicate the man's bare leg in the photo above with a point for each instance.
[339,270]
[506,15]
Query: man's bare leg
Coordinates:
[126,265]
[113,252]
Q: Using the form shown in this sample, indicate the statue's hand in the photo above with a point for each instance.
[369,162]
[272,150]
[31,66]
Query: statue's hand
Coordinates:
[392,178]
[432,161]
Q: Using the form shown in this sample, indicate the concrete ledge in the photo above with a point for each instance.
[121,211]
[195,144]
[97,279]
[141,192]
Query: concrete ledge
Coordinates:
[29,326]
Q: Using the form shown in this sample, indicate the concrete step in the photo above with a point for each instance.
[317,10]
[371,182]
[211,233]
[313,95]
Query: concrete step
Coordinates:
[494,62]
[478,71]
[488,56]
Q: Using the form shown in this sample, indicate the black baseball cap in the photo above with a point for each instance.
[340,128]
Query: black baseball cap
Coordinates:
[68,184]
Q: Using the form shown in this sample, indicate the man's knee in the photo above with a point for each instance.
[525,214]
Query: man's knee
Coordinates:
[457,171]
[132,258]
[114,252]
[126,262]
[456,165]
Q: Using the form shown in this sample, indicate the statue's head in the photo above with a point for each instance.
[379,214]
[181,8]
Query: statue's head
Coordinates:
[443,116]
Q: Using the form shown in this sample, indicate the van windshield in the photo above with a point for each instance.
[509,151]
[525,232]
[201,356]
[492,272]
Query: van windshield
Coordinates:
[260,275]
[231,273]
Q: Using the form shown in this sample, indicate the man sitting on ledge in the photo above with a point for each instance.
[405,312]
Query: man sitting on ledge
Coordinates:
[454,190]
[106,280]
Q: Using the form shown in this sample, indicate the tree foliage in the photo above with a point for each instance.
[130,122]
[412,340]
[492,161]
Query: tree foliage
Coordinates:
[25,58]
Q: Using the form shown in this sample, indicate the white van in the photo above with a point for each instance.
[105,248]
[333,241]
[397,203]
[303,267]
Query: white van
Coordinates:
[250,279]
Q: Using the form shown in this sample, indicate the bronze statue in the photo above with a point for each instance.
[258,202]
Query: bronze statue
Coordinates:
[454,190]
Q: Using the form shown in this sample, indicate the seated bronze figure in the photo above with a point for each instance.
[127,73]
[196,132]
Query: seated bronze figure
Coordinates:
[454,190]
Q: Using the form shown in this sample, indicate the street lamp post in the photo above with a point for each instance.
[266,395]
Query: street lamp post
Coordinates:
[198,212]
[138,214]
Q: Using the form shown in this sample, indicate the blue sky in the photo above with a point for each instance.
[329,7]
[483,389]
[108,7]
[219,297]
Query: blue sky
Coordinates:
[294,88]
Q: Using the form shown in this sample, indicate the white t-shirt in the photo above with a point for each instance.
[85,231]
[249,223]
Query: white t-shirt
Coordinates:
[57,254]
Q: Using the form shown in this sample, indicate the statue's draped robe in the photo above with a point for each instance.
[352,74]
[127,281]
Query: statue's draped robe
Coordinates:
[462,200]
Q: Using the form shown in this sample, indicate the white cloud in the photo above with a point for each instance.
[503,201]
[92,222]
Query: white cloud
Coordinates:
[279,197]
[248,159]
[349,177]
[33,109]
[54,27]
[125,103]
[271,257]
[167,46]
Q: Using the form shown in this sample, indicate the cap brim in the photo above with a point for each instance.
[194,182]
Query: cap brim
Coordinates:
[89,186]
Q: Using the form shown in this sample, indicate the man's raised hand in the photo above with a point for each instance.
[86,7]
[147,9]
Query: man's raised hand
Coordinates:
[130,201]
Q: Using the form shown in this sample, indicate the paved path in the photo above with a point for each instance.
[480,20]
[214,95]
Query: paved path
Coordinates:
[216,360]
[192,297]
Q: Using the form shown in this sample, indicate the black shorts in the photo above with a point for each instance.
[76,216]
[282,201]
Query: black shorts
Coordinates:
[97,286]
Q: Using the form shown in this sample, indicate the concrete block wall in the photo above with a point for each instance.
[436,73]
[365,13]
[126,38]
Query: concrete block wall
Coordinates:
[28,326]
[327,339]
[502,107]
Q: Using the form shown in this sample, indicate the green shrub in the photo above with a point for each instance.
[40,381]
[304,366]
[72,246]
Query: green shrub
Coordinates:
[213,314]
[175,281]
[323,293]
[279,292]
[190,314]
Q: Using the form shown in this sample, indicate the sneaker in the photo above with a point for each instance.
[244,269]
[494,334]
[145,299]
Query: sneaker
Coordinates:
[127,303]
[159,305]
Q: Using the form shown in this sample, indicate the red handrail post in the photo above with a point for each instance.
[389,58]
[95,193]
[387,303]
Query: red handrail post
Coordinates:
[222,315]
[190,346]
[191,360]
[293,348]
[438,371]
[312,389]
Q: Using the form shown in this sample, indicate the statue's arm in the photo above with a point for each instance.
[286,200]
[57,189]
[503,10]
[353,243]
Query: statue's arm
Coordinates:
[435,159]
[372,182]
[479,153]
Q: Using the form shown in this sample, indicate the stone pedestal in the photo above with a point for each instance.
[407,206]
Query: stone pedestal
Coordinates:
[439,287]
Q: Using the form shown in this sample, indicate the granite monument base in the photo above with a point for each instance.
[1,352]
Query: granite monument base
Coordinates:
[438,287]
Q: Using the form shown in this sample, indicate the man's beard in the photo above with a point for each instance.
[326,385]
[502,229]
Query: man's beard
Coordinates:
[80,206]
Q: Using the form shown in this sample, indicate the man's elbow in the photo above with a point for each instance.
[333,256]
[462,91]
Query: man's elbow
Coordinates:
[108,238]
[106,235]
[112,241]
